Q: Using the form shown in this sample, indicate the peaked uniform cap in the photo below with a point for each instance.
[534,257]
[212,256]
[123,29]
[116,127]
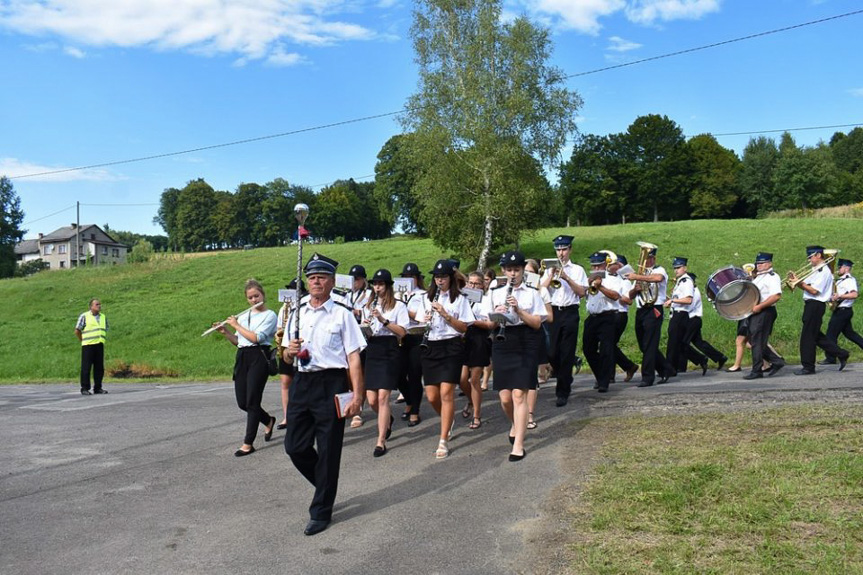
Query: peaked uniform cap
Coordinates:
[763,257]
[848,263]
[319,264]
[679,262]
[562,241]
[812,250]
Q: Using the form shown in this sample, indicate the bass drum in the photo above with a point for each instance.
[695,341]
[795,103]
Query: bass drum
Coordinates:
[732,293]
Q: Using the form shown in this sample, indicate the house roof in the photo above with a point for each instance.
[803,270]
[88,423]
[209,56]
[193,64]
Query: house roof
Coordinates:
[25,247]
[68,232]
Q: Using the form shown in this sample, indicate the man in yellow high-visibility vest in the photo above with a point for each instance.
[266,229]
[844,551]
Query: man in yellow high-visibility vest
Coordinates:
[91,330]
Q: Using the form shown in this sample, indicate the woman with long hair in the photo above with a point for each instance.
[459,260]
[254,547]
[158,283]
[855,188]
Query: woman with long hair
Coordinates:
[386,320]
[514,349]
[477,356]
[252,334]
[447,315]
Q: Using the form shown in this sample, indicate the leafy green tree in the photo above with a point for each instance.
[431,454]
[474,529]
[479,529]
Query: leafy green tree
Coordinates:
[715,187]
[228,223]
[756,174]
[803,178]
[167,215]
[141,252]
[10,227]
[338,213]
[278,211]
[395,177]
[195,229]
[493,112]
[588,187]
[660,165]
[847,153]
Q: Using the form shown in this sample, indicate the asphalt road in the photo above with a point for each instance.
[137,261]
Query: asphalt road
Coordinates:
[143,480]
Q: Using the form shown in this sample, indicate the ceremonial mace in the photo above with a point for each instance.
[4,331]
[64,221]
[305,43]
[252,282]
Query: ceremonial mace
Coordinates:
[301,211]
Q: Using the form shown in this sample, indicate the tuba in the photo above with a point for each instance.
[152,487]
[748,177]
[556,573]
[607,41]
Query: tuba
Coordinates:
[649,290]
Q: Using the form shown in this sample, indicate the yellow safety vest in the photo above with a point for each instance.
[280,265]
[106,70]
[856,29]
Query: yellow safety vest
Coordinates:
[94,329]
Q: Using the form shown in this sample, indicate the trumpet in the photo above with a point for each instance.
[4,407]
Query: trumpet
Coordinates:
[553,264]
[796,277]
[592,289]
[221,324]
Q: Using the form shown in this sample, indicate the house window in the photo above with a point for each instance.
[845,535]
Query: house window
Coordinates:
[115,252]
[61,249]
[62,264]
[104,250]
[48,249]
[92,236]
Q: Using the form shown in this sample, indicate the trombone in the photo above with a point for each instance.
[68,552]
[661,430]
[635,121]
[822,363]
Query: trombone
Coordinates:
[796,277]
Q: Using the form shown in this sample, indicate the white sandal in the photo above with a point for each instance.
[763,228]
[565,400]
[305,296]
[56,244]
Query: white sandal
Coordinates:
[442,450]
[356,421]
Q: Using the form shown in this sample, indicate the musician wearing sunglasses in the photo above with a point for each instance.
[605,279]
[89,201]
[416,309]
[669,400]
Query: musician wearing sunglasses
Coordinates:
[328,349]
[840,321]
[567,284]
[817,291]
[763,317]
[598,342]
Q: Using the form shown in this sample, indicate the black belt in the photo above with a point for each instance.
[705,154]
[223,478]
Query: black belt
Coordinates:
[563,307]
[607,312]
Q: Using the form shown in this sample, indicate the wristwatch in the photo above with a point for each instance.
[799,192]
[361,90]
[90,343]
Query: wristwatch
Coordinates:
[386,322]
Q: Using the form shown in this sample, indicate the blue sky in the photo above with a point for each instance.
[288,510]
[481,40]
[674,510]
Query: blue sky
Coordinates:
[89,82]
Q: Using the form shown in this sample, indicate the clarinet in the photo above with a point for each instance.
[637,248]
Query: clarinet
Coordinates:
[425,342]
[501,331]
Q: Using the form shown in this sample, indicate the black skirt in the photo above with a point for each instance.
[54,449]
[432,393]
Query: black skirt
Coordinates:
[285,368]
[383,363]
[477,347]
[442,360]
[514,361]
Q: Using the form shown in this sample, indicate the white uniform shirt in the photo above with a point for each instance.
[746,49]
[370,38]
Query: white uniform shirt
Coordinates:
[528,299]
[625,287]
[263,323]
[822,280]
[661,287]
[564,296]
[695,308]
[330,333]
[357,300]
[846,284]
[458,309]
[415,305]
[599,302]
[397,315]
[683,288]
[768,283]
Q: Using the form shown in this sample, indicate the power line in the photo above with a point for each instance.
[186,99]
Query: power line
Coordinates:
[48,216]
[788,130]
[388,114]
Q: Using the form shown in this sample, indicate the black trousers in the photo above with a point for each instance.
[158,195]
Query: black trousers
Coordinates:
[840,324]
[675,351]
[250,379]
[760,328]
[812,337]
[313,438]
[598,346]
[92,360]
[620,358]
[648,329]
[564,343]
[693,339]
[411,380]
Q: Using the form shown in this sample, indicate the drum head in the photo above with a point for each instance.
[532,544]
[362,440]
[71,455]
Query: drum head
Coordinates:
[735,300]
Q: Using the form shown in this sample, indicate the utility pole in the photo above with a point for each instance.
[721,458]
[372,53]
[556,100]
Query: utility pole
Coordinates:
[77,234]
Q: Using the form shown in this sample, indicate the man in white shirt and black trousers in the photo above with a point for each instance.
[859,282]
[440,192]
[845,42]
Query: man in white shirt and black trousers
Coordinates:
[564,303]
[840,321]
[599,328]
[328,350]
[763,317]
[817,291]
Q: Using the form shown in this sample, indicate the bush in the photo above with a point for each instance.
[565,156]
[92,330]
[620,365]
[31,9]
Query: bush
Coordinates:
[30,268]
[141,252]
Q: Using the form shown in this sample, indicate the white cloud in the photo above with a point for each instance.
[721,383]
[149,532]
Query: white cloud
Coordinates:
[74,52]
[856,92]
[251,29]
[584,15]
[15,168]
[618,44]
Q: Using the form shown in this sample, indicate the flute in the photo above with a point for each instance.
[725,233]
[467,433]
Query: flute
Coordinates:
[218,325]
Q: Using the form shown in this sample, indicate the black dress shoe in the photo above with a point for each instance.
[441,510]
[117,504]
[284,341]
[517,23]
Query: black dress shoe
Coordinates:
[414,422]
[405,415]
[85,392]
[380,450]
[842,363]
[99,391]
[753,375]
[282,426]
[721,363]
[561,401]
[704,368]
[805,372]
[603,389]
[514,457]
[663,379]
[315,526]
[774,369]
[268,435]
[243,453]
[827,362]
[645,384]
[578,363]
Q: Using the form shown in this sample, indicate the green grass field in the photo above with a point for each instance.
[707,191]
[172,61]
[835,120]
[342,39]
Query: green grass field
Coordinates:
[158,310]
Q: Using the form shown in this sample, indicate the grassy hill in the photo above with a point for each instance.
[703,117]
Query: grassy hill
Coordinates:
[158,310]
